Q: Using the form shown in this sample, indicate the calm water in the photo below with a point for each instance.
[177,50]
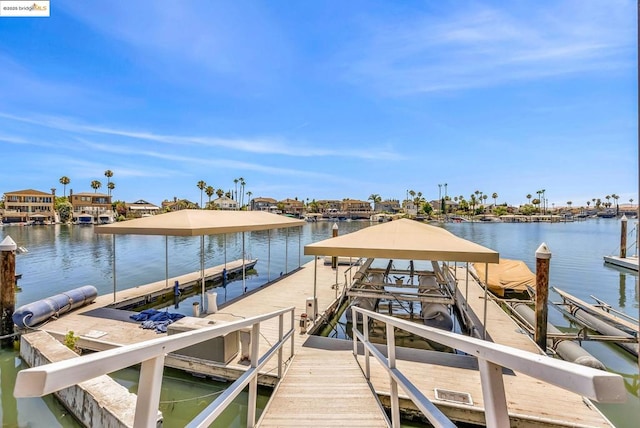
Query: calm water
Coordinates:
[65,257]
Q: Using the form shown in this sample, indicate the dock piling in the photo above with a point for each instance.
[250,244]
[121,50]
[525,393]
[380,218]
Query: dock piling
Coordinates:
[8,289]
[543,258]
[334,259]
[623,237]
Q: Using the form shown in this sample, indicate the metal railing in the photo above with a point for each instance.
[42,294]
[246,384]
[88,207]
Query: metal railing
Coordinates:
[49,378]
[595,384]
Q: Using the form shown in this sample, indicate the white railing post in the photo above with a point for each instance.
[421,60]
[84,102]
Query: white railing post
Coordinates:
[293,327]
[495,401]
[253,384]
[280,336]
[365,333]
[391,358]
[354,314]
[150,385]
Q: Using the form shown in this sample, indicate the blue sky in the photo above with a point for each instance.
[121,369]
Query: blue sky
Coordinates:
[323,100]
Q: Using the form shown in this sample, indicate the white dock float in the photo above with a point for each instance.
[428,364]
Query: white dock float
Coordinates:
[625,262]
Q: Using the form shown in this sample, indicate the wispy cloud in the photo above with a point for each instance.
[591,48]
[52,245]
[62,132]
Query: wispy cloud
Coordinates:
[259,145]
[218,163]
[480,46]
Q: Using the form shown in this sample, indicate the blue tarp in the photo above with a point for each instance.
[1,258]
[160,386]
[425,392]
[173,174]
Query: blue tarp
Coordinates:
[154,319]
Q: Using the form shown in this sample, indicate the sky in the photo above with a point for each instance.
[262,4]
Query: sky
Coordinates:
[323,100]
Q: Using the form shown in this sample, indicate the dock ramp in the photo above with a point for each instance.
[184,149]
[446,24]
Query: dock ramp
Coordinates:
[324,387]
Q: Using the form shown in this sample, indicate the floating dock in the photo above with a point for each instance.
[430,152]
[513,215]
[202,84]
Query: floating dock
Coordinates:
[630,263]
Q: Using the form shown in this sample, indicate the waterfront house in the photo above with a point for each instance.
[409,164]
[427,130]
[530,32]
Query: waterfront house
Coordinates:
[388,206]
[225,203]
[28,205]
[95,204]
[292,206]
[177,205]
[354,208]
[141,208]
[263,204]
[329,206]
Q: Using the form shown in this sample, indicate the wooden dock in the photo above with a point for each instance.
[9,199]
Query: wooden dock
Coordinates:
[322,385]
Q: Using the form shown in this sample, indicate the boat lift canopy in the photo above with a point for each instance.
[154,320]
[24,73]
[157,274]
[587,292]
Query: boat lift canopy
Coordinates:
[200,223]
[197,223]
[404,239]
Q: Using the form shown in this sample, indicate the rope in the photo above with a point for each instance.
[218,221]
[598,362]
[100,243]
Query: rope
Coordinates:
[193,398]
[9,335]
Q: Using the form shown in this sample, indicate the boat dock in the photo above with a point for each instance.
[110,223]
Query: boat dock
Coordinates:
[323,383]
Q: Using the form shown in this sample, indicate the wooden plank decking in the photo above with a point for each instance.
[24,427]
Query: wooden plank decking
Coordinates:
[323,387]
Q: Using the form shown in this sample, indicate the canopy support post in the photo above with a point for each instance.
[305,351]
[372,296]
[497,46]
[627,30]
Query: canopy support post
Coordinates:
[114,267]
[286,251]
[486,288]
[269,255]
[166,262]
[244,279]
[202,271]
[315,285]
[299,247]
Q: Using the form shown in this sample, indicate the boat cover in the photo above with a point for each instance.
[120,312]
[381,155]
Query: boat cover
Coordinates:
[507,276]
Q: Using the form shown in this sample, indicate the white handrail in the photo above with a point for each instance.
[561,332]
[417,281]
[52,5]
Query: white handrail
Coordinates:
[592,383]
[49,378]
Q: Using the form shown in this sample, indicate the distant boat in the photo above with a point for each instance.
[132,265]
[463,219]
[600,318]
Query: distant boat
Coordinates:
[84,219]
[105,218]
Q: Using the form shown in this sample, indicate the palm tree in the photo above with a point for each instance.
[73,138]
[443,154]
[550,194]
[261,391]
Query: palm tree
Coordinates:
[529,198]
[108,173]
[209,191]
[242,183]
[95,185]
[249,193]
[235,181]
[472,202]
[219,193]
[64,180]
[495,199]
[631,202]
[615,198]
[111,186]
[201,185]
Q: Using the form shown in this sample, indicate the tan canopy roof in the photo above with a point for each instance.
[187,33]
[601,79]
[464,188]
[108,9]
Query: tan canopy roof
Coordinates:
[199,222]
[406,240]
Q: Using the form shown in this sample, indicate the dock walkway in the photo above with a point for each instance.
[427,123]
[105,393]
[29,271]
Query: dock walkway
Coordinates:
[323,387]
